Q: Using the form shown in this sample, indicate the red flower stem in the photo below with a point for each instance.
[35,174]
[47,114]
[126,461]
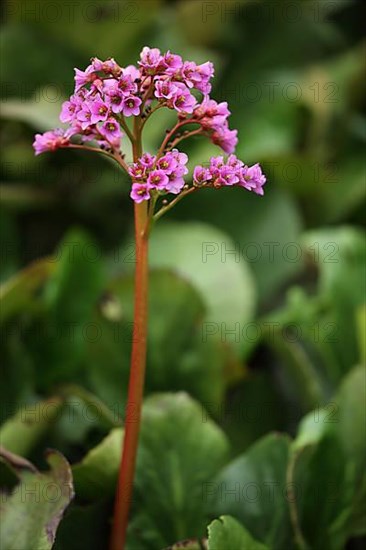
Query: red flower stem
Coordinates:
[124,125]
[159,106]
[137,374]
[115,156]
[171,134]
[184,136]
[170,205]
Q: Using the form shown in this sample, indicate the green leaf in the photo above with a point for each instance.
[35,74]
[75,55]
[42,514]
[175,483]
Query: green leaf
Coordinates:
[178,358]
[84,421]
[45,68]
[252,489]
[70,297]
[38,112]
[21,433]
[227,533]
[96,475]
[322,494]
[350,431]
[197,252]
[20,291]
[180,451]
[299,371]
[265,231]
[327,468]
[350,420]
[311,428]
[32,512]
[361,330]
[340,255]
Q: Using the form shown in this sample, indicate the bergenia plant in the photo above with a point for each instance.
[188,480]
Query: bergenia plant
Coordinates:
[110,102]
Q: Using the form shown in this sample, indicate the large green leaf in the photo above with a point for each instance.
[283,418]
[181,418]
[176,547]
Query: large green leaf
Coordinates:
[177,359]
[326,469]
[32,512]
[203,255]
[96,475]
[340,256]
[39,112]
[349,424]
[180,451]
[227,533]
[20,291]
[321,494]
[350,430]
[70,297]
[317,336]
[252,489]
[265,231]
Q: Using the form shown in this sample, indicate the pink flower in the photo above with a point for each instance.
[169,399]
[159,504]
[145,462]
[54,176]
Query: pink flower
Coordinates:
[147,160]
[226,139]
[151,60]
[181,158]
[201,175]
[127,85]
[114,100]
[175,185]
[50,141]
[172,62]
[198,76]
[140,192]
[226,176]
[176,180]
[84,77]
[165,89]
[69,110]
[132,71]
[190,73]
[131,106]
[158,179]
[84,116]
[216,163]
[99,110]
[253,179]
[206,72]
[234,161]
[137,171]
[182,100]
[212,115]
[111,130]
[168,163]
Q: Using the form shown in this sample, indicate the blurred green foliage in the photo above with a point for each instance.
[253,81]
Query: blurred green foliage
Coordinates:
[256,348]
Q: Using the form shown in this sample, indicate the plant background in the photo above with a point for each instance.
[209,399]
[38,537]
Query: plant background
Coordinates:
[257,304]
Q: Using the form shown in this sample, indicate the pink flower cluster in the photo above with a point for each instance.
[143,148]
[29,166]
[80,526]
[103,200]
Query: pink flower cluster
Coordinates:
[106,96]
[50,141]
[212,117]
[152,174]
[229,173]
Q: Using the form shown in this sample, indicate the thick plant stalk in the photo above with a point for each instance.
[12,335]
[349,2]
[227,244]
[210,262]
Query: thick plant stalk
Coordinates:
[136,383]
